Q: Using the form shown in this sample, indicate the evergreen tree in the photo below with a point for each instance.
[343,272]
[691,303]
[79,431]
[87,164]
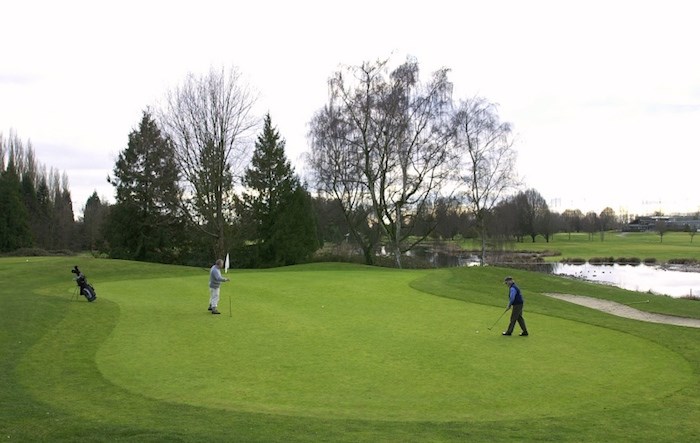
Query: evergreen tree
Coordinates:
[294,237]
[93,218]
[42,226]
[276,213]
[331,224]
[14,221]
[46,200]
[143,223]
[64,218]
[31,205]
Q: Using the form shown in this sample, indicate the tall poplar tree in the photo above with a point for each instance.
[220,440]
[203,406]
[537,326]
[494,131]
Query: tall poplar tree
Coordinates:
[63,217]
[46,206]
[14,221]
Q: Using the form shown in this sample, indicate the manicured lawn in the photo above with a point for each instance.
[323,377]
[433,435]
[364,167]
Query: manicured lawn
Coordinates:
[333,352]
[641,245]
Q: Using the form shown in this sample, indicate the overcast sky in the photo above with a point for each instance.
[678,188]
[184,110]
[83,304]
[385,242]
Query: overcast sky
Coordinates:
[603,96]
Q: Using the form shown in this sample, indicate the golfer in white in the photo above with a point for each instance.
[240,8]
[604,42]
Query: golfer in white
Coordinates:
[215,280]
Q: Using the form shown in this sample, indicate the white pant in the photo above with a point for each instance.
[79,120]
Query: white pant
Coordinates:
[214,297]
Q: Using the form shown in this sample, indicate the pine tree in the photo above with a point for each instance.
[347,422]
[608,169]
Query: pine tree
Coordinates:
[42,223]
[93,218]
[64,219]
[276,211]
[294,237]
[143,223]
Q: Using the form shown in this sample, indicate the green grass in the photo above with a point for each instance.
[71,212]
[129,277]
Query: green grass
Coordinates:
[641,245]
[333,352]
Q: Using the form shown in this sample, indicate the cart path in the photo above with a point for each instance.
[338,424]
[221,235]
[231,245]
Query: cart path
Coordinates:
[621,310]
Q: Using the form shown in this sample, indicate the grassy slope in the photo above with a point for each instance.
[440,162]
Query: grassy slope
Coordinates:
[69,398]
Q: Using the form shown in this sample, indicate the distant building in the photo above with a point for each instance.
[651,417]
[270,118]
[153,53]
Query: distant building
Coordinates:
[673,223]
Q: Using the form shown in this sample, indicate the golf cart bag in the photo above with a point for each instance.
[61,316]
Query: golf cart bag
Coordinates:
[86,288]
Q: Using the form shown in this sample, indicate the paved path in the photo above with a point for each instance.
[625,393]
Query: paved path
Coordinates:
[626,311]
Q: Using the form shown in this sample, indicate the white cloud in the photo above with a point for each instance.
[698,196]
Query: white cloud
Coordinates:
[604,95]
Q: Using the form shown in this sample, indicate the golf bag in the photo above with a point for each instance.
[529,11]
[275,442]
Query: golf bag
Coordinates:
[86,288]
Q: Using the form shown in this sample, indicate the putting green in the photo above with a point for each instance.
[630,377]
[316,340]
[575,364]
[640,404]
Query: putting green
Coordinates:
[359,344]
[365,345]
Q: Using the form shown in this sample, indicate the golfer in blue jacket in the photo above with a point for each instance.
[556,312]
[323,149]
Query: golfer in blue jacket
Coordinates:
[515,302]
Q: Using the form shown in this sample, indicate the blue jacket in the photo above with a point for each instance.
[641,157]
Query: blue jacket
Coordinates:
[516,298]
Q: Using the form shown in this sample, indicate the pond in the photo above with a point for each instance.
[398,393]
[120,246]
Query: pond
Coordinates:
[671,281]
[674,282]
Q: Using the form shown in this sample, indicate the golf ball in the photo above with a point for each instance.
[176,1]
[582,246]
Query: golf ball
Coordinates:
[477,332]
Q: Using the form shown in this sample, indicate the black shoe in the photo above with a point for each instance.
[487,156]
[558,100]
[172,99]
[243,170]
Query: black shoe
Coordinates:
[524,334]
[209,308]
[506,333]
[214,311]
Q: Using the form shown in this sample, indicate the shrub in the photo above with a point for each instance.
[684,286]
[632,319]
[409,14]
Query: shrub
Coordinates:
[39,252]
[629,261]
[601,260]
[682,261]
[574,261]
[691,297]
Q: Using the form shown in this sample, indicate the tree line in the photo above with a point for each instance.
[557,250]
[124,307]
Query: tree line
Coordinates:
[35,202]
[393,161]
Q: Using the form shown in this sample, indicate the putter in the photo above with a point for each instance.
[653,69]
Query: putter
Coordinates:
[499,319]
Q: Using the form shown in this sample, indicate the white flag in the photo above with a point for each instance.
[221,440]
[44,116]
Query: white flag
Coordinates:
[226,264]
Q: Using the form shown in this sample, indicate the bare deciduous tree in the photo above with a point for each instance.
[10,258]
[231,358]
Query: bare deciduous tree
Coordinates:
[608,221]
[384,144]
[337,172]
[572,220]
[590,223]
[209,120]
[536,214]
[661,226]
[488,158]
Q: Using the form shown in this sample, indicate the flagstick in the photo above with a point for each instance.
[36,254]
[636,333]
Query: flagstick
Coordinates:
[226,265]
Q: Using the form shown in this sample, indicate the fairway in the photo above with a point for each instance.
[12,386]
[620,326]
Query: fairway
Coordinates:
[355,343]
[333,352]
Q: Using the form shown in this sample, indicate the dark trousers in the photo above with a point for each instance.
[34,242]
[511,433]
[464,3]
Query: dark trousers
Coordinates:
[516,315]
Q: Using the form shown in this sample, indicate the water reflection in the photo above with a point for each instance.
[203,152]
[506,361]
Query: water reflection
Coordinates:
[441,257]
[642,278]
[638,277]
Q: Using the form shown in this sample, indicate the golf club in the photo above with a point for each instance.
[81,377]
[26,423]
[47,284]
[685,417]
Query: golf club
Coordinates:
[229,306]
[499,318]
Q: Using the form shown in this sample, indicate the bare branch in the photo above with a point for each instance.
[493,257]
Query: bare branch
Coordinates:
[384,142]
[488,158]
[209,120]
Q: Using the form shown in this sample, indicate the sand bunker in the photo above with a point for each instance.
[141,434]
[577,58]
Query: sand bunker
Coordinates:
[626,311]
